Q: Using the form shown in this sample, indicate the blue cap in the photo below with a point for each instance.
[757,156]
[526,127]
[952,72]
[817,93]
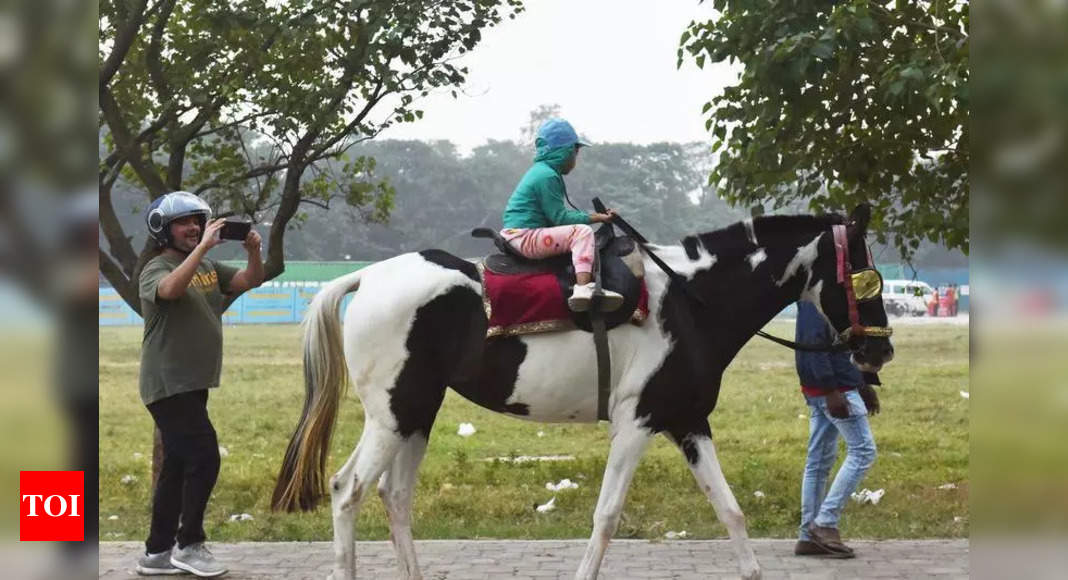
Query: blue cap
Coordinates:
[558,133]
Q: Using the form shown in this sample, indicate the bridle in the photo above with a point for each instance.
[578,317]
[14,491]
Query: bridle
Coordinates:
[860,286]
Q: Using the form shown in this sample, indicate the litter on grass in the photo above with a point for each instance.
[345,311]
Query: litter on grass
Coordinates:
[562,484]
[529,458]
[868,496]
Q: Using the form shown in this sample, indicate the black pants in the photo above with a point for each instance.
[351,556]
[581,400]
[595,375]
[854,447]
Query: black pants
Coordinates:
[187,476]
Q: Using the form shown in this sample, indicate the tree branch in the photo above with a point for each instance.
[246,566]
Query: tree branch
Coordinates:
[123,41]
[376,96]
[180,139]
[231,124]
[248,159]
[168,113]
[122,284]
[351,143]
[904,22]
[155,47]
[113,171]
[316,203]
[130,149]
[308,155]
[256,172]
[119,243]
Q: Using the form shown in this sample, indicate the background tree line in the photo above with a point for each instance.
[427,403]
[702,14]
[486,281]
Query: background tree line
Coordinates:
[441,194]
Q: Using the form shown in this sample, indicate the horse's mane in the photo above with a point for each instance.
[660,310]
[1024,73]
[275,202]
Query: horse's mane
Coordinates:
[734,239]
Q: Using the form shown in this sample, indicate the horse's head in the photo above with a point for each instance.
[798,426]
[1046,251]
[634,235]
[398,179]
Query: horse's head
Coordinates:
[850,295]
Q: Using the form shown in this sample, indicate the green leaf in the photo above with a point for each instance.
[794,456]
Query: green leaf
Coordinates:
[823,49]
[912,73]
[866,24]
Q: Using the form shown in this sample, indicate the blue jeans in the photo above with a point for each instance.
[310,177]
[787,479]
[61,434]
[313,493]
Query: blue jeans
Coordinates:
[816,508]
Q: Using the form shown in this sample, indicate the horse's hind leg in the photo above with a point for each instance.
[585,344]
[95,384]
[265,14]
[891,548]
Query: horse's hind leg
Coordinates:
[701,456]
[396,488]
[349,486]
[443,346]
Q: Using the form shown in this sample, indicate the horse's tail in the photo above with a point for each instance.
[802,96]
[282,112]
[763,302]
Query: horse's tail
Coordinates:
[301,481]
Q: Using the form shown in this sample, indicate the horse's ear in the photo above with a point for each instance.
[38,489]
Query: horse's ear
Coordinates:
[858,220]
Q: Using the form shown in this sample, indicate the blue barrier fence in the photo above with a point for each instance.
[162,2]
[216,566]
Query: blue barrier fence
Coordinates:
[280,304]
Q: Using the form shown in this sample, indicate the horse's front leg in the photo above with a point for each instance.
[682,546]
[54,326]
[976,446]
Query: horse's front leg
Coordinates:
[629,441]
[701,455]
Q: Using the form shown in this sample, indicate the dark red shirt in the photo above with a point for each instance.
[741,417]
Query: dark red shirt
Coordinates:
[819,392]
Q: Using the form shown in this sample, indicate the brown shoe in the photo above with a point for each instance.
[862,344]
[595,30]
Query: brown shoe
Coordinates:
[806,548]
[828,539]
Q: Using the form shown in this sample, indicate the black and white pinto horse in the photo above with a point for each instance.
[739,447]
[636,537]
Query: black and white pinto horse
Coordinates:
[416,325]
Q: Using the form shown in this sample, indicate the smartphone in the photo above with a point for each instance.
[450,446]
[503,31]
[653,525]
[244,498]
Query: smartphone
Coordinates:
[234,230]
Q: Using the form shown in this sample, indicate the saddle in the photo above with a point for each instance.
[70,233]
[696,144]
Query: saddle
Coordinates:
[544,285]
[617,267]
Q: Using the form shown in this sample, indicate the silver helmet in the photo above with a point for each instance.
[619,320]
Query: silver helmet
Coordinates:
[167,208]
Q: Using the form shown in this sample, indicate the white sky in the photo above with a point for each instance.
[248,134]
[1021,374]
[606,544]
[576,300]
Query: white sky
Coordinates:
[609,64]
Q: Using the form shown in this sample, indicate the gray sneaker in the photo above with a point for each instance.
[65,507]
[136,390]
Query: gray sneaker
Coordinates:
[157,565]
[197,559]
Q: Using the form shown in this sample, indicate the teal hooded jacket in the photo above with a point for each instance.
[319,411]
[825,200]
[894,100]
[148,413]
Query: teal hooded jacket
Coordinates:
[538,200]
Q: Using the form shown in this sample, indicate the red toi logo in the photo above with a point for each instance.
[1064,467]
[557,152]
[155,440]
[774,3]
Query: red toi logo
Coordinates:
[51,506]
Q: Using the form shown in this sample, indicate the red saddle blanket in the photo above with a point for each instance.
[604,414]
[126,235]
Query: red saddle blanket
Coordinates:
[531,303]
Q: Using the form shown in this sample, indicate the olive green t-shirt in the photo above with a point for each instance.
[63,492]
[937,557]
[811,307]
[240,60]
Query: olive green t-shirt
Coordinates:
[182,346]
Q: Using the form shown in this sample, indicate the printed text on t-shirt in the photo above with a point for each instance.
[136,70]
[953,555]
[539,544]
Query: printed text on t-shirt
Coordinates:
[205,282]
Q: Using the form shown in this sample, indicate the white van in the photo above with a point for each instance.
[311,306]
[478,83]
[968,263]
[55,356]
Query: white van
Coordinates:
[906,297]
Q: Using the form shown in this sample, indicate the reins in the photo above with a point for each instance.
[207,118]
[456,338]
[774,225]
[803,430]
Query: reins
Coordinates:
[683,284]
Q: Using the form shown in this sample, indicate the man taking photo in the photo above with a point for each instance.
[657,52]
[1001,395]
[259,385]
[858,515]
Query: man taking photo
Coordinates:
[183,295]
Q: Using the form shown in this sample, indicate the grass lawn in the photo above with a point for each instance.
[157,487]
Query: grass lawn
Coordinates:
[760,428]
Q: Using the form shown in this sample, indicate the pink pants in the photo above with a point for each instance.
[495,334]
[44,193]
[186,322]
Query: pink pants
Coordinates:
[541,243]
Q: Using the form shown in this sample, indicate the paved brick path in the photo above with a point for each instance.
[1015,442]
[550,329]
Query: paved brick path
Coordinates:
[540,560]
